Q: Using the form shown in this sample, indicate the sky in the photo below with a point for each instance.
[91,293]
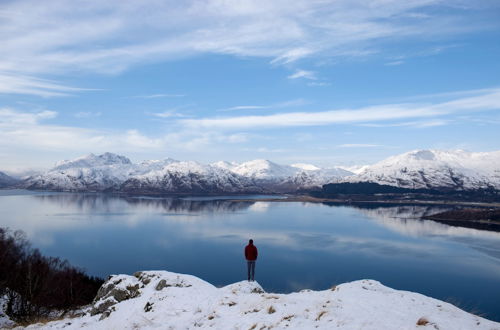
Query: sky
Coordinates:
[343,82]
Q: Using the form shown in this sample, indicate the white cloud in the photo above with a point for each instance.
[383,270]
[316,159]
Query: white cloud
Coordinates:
[359,145]
[245,107]
[30,131]
[23,84]
[11,117]
[168,114]
[303,74]
[394,63]
[487,101]
[56,37]
[415,124]
[156,96]
[318,84]
[279,105]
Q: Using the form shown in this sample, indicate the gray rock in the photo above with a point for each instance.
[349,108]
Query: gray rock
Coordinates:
[109,294]
[102,307]
[162,284]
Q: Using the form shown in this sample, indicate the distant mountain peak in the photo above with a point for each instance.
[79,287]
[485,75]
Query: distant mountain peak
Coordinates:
[435,169]
[92,160]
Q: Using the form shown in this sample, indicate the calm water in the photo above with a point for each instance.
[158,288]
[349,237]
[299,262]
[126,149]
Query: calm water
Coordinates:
[301,245]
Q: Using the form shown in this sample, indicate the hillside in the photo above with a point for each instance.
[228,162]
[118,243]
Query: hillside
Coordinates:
[160,299]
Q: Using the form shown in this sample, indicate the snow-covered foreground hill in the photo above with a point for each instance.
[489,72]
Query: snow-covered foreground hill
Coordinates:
[165,300]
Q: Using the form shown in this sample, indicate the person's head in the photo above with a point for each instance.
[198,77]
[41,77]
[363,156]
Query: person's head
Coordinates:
[250,241]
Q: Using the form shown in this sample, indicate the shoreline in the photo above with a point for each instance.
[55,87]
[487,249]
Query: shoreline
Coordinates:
[310,199]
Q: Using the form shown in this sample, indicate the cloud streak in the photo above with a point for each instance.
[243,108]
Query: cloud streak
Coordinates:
[484,102]
[22,84]
[304,74]
[279,105]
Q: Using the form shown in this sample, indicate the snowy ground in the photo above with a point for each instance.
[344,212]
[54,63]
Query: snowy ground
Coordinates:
[5,321]
[165,300]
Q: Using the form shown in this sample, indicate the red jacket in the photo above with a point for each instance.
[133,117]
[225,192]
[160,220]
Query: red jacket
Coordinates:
[251,252]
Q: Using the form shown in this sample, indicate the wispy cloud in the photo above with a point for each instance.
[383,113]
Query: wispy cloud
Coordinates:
[11,117]
[23,84]
[415,124]
[359,145]
[304,74]
[318,83]
[157,96]
[279,105]
[169,114]
[394,63]
[57,38]
[390,112]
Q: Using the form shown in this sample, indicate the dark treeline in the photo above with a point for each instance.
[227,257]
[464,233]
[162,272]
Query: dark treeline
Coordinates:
[35,285]
[370,191]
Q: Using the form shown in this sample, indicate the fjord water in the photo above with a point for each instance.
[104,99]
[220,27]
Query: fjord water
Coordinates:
[301,245]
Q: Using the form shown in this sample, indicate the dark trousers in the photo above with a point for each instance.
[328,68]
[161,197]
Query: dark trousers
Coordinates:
[251,269]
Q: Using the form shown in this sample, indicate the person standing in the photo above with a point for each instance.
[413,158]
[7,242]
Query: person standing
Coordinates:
[251,254]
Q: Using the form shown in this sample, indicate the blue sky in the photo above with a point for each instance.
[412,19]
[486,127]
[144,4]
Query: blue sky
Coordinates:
[323,82]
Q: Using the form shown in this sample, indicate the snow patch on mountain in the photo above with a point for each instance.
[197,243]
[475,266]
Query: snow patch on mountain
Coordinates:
[306,167]
[262,169]
[165,300]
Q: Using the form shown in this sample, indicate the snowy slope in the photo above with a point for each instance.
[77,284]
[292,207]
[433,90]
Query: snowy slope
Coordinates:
[456,170]
[165,300]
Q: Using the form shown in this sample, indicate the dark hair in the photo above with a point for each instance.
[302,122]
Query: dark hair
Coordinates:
[250,241]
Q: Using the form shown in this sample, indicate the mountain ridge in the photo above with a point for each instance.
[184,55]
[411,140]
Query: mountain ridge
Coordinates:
[456,170]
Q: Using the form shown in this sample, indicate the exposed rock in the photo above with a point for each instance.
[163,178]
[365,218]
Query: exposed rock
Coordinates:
[113,291]
[162,284]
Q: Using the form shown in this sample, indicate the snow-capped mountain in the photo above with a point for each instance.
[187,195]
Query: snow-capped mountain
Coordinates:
[7,181]
[189,177]
[435,169]
[91,160]
[89,173]
[284,177]
[110,172]
[430,169]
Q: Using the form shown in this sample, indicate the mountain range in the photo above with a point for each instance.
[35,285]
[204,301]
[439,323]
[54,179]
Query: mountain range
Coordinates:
[419,169]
